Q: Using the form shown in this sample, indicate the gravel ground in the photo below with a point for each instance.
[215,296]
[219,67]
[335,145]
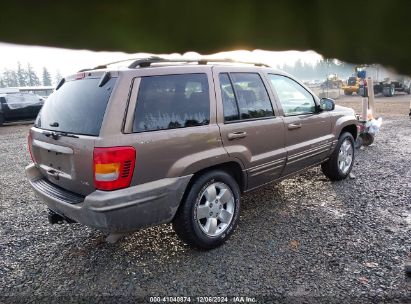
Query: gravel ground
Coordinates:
[303,239]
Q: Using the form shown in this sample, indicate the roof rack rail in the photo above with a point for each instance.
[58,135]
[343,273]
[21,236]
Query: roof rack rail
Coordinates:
[104,66]
[146,62]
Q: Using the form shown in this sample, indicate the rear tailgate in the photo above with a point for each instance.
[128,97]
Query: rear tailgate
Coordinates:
[62,139]
[66,162]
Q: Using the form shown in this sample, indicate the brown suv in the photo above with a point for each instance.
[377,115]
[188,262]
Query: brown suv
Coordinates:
[164,141]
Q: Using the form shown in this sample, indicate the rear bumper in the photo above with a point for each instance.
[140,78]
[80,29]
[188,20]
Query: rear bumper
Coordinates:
[114,211]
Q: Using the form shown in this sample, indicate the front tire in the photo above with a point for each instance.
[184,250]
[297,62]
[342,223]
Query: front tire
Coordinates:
[339,165]
[210,210]
[1,119]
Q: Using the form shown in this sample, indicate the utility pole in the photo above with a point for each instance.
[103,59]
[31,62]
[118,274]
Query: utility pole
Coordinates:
[371,102]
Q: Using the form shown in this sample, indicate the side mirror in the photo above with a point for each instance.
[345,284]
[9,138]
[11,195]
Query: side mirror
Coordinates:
[327,104]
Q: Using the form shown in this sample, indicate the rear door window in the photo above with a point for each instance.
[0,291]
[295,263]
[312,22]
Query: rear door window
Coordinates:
[244,97]
[77,107]
[172,101]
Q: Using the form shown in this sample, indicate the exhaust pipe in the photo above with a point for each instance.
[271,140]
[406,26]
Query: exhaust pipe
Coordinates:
[55,218]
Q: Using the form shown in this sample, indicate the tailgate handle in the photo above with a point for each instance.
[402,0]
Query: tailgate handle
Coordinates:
[294,126]
[236,135]
[53,173]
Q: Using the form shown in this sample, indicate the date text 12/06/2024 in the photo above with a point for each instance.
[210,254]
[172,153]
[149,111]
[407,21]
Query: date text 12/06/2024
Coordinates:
[236,299]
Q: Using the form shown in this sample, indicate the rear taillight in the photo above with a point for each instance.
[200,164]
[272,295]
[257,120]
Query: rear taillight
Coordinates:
[29,143]
[113,167]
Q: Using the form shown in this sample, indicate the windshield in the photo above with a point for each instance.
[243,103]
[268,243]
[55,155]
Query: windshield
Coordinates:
[352,81]
[77,107]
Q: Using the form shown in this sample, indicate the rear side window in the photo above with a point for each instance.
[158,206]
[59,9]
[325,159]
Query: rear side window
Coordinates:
[77,107]
[172,101]
[244,97]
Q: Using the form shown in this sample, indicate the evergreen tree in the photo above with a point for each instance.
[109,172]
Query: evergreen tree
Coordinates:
[22,77]
[33,80]
[299,69]
[46,77]
[10,78]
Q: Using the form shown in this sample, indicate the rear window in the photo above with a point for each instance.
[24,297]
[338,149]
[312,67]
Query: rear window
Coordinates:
[77,107]
[172,101]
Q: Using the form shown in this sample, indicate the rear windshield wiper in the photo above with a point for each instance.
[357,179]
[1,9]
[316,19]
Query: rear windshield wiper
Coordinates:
[57,134]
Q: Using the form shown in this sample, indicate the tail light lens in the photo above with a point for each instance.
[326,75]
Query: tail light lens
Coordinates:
[29,143]
[113,167]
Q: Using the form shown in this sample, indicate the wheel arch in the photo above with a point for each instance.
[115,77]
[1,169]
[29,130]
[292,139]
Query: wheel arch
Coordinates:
[350,128]
[231,167]
[346,123]
[234,168]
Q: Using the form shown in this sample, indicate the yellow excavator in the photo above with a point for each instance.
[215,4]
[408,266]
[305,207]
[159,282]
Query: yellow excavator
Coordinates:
[352,86]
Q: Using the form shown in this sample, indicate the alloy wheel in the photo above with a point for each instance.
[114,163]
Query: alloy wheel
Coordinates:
[215,209]
[345,156]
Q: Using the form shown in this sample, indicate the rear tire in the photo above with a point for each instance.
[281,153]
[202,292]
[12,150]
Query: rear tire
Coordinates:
[1,120]
[388,91]
[209,211]
[339,165]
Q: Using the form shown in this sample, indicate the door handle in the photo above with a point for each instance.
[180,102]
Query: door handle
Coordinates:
[294,126]
[236,135]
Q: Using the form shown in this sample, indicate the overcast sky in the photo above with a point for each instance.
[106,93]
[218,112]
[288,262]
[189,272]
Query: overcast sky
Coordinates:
[68,61]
